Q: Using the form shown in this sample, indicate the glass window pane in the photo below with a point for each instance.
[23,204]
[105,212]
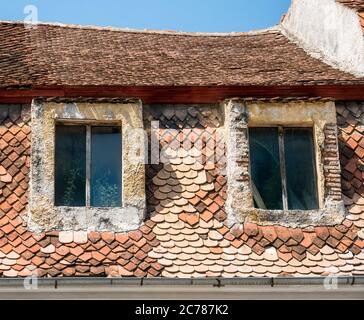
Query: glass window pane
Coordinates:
[300,168]
[265,168]
[106,167]
[70,167]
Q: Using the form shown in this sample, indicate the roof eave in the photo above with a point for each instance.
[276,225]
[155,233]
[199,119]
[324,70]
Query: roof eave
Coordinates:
[185,94]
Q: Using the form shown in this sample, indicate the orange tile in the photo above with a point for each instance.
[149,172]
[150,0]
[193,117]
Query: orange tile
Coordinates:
[135,235]
[192,219]
[250,229]
[322,232]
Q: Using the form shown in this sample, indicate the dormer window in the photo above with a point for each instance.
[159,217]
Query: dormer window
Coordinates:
[87,169]
[282,162]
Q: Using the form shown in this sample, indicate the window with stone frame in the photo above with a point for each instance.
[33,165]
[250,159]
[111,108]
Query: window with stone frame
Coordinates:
[282,162]
[87,165]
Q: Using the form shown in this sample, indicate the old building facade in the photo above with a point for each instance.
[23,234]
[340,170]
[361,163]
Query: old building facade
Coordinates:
[197,113]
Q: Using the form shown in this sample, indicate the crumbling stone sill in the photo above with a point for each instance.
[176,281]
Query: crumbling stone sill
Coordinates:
[331,215]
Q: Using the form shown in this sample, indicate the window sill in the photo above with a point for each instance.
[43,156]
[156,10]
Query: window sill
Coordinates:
[119,219]
[333,213]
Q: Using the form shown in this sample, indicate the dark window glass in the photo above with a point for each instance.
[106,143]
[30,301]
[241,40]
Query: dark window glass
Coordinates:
[297,169]
[265,168]
[70,155]
[105,167]
[300,168]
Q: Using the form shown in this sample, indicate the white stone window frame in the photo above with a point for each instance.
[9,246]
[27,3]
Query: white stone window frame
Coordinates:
[43,215]
[320,115]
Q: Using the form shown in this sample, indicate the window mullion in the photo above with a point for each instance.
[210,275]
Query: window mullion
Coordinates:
[283,168]
[88,166]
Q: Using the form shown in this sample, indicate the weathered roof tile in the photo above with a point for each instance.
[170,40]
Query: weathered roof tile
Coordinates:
[154,58]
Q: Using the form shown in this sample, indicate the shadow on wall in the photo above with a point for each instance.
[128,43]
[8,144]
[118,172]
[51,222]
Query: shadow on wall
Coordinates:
[350,118]
[182,131]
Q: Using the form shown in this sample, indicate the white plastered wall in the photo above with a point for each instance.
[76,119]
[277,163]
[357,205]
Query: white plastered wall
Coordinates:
[328,31]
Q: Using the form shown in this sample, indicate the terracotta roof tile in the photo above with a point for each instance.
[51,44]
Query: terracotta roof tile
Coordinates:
[169,245]
[156,58]
[250,229]
[356,5]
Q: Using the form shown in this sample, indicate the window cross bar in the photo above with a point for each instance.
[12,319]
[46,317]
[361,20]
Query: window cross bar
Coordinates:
[88,166]
[282,161]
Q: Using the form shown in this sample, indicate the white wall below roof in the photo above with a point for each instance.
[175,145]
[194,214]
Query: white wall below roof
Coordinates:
[328,31]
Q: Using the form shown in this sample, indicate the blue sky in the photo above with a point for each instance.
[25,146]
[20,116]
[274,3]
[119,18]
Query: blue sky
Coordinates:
[181,15]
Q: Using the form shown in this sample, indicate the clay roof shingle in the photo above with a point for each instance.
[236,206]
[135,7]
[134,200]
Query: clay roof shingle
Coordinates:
[357,5]
[54,55]
[187,234]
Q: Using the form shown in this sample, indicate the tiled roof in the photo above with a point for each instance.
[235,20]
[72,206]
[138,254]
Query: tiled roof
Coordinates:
[187,234]
[357,5]
[53,55]
[361,17]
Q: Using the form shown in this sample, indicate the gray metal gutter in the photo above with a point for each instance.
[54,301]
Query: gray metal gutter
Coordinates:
[348,287]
